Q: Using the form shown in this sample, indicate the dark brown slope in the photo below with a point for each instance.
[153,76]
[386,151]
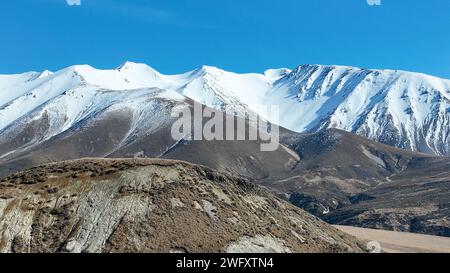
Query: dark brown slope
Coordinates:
[142,205]
[110,134]
[336,165]
[106,134]
[242,158]
[349,180]
[416,200]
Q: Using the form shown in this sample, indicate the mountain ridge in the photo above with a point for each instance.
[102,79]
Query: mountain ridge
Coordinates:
[403,109]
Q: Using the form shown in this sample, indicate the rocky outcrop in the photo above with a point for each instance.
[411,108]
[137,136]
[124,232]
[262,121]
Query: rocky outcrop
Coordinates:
[144,205]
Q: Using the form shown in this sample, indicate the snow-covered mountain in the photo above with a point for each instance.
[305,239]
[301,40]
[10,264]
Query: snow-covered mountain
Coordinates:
[404,109]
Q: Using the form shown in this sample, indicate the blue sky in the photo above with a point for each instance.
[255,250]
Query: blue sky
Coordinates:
[243,36]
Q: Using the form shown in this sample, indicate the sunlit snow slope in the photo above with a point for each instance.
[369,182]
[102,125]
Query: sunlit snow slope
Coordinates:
[404,109]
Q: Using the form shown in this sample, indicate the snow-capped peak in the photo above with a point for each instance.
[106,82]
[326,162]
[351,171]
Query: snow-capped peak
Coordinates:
[43,74]
[206,70]
[136,67]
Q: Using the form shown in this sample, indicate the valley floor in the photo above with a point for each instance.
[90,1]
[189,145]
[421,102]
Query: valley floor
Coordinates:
[400,242]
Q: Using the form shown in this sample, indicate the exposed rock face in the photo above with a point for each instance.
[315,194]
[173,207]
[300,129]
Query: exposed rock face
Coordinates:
[143,205]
